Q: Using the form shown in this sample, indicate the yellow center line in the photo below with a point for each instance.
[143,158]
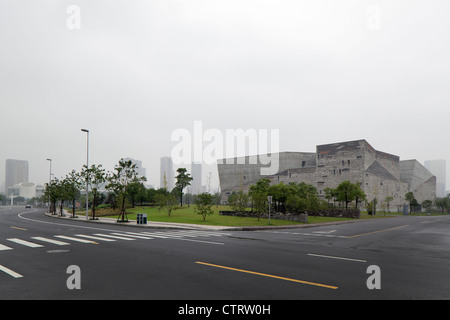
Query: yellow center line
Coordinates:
[364,234]
[268,275]
[18,228]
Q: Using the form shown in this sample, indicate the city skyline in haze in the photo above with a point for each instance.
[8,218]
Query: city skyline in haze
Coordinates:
[133,73]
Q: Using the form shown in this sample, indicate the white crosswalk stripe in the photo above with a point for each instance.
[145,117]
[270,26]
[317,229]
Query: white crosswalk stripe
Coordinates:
[10,272]
[113,236]
[75,239]
[3,247]
[25,243]
[130,235]
[57,242]
[94,237]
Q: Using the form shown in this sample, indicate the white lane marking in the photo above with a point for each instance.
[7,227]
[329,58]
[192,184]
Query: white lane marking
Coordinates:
[332,257]
[10,272]
[25,243]
[59,243]
[75,239]
[325,232]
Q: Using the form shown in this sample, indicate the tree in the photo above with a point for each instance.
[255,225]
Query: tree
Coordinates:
[388,199]
[238,202]
[412,201]
[51,192]
[443,203]
[136,191]
[328,194]
[171,203]
[258,194]
[61,194]
[183,180]
[96,177]
[347,192]
[119,181]
[203,204]
[72,185]
[427,204]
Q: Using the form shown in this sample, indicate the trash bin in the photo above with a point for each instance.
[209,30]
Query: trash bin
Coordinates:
[141,218]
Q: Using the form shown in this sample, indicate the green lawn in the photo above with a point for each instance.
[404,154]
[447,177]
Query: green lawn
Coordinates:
[187,215]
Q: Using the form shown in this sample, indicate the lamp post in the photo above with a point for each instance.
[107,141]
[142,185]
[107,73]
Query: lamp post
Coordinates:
[87,171]
[269,199]
[49,181]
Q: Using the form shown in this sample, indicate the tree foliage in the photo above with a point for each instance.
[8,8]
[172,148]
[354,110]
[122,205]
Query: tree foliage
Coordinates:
[183,180]
[203,203]
[119,182]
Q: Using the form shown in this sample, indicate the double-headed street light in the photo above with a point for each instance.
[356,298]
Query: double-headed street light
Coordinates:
[87,172]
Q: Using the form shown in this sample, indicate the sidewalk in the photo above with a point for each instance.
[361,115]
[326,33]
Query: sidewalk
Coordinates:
[187,226]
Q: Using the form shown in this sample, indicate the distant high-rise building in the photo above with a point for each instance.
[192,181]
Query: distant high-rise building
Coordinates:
[438,168]
[16,172]
[140,170]
[196,183]
[166,177]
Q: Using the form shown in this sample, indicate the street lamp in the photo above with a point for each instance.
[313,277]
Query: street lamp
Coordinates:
[49,181]
[87,171]
[269,199]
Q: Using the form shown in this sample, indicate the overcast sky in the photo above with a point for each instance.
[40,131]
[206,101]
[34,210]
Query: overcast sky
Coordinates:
[132,72]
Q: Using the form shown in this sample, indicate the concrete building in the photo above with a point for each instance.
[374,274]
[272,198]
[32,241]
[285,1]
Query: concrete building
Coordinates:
[439,169]
[166,174]
[26,190]
[16,171]
[196,183]
[378,173]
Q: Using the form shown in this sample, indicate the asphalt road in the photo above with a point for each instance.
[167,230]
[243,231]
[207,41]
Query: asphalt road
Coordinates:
[412,255]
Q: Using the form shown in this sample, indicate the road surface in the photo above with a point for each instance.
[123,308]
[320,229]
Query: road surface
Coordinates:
[395,258]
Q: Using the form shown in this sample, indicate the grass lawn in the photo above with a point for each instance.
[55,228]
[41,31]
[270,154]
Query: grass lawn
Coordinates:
[187,215]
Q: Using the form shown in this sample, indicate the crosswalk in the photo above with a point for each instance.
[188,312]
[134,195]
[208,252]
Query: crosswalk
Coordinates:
[95,238]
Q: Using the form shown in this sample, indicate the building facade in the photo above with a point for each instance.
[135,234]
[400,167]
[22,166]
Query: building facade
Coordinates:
[16,171]
[166,174]
[196,183]
[439,169]
[379,174]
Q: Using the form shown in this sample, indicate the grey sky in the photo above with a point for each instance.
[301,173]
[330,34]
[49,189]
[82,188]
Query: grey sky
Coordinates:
[320,71]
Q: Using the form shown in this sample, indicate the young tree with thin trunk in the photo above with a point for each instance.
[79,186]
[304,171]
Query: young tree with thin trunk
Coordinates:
[119,182]
[183,180]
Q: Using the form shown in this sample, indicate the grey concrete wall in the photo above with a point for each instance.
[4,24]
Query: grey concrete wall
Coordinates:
[380,174]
